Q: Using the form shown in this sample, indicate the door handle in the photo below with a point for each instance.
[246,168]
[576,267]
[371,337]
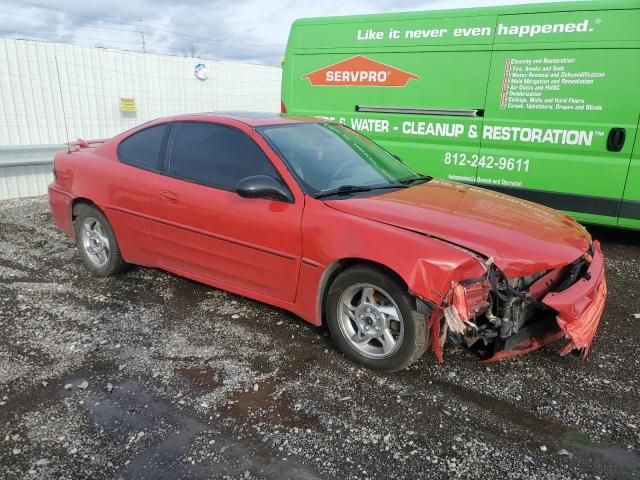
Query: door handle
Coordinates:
[616,138]
[168,197]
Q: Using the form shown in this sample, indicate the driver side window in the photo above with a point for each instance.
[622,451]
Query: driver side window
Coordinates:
[216,155]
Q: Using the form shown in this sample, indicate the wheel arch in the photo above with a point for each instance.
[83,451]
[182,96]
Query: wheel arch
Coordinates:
[336,268]
[77,202]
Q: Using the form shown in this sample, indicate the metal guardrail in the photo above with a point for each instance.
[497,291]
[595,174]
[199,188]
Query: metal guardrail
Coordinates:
[26,155]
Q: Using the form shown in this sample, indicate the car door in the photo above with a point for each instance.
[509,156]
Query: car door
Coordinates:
[129,206]
[204,229]
[630,208]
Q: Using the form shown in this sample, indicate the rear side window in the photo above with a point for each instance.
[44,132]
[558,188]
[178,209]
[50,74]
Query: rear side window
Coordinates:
[216,155]
[142,149]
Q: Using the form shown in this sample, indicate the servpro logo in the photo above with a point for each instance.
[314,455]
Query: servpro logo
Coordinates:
[360,71]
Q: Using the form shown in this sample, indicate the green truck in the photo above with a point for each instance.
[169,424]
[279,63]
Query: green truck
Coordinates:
[538,101]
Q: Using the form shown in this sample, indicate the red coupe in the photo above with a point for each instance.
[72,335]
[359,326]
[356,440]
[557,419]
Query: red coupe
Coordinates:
[313,217]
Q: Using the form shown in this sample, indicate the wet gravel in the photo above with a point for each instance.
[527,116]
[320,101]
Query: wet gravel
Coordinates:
[149,375]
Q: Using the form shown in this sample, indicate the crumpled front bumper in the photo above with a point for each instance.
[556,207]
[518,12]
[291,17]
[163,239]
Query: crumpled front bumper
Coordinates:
[579,307]
[578,311]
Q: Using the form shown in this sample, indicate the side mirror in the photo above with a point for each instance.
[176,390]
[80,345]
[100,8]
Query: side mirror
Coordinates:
[263,186]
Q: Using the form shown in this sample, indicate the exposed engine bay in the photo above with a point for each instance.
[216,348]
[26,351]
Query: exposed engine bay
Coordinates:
[498,317]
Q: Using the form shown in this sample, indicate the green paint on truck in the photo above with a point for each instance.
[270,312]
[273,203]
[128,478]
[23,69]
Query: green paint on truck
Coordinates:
[539,101]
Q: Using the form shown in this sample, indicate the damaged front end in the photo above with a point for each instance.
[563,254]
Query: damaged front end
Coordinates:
[498,317]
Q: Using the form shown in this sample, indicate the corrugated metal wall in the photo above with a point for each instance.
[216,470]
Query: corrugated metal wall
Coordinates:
[34,105]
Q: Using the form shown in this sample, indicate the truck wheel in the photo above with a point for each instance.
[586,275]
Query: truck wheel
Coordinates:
[373,320]
[97,243]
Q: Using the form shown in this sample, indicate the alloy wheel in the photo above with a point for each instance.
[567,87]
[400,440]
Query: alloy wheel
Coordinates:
[370,320]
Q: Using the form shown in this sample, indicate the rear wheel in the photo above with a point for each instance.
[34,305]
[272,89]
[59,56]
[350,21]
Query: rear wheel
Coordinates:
[97,243]
[374,321]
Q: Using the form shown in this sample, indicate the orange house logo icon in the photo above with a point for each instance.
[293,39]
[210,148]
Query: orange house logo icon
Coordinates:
[362,72]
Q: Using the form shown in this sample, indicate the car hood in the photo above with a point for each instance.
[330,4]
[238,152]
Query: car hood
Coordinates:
[522,237]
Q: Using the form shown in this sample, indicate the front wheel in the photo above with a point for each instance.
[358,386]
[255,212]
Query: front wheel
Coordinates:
[373,319]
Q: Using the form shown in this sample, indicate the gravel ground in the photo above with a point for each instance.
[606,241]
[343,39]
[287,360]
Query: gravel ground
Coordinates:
[149,375]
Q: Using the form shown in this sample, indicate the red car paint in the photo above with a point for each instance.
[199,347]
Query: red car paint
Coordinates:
[522,237]
[432,236]
[580,306]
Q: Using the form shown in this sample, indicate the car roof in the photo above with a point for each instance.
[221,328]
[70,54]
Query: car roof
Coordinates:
[254,119]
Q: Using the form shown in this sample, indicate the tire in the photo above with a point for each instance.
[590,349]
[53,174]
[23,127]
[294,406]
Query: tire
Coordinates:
[373,319]
[97,243]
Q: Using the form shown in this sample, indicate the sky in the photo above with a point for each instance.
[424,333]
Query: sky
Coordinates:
[246,30]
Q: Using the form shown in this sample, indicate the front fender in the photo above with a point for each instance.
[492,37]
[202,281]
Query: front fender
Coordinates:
[427,265]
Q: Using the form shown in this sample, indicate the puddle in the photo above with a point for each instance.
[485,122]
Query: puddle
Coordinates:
[128,410]
[627,459]
[127,404]
[172,437]
[164,459]
[610,454]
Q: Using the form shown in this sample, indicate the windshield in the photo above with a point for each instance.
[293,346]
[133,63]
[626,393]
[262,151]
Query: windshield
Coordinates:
[325,157]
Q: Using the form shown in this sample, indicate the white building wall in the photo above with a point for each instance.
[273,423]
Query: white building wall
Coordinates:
[34,105]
